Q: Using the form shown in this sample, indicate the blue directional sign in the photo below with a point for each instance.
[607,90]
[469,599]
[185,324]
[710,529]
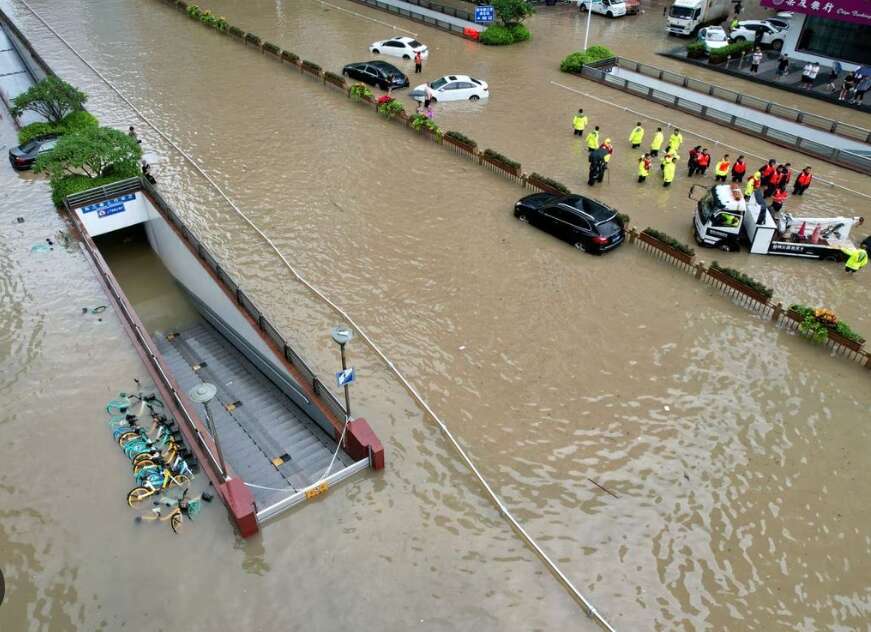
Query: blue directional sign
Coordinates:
[343,378]
[485,14]
[109,207]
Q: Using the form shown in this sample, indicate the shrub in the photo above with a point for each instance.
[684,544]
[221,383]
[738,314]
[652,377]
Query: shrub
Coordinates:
[559,186]
[36,130]
[495,155]
[496,35]
[462,138]
[390,108]
[419,121]
[575,61]
[52,98]
[519,32]
[71,122]
[69,185]
[209,19]
[843,329]
[624,219]
[720,55]
[696,50]
[221,24]
[359,91]
[194,11]
[816,324]
[740,277]
[235,31]
[670,241]
[269,47]
[253,39]
[80,120]
[512,12]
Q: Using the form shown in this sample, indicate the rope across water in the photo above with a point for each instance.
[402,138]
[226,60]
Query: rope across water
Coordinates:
[558,573]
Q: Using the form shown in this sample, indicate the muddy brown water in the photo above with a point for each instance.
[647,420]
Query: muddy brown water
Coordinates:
[735,451]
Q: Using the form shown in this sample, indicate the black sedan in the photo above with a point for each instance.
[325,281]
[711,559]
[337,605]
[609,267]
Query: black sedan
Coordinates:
[23,156]
[586,224]
[376,73]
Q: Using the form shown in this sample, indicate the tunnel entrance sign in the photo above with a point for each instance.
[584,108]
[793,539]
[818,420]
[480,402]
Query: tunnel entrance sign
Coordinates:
[485,14]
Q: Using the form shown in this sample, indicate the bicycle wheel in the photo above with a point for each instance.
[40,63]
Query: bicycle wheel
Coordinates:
[140,465]
[137,495]
[179,481]
[176,521]
[128,436]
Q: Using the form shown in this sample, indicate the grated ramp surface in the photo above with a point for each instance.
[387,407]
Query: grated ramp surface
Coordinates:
[262,423]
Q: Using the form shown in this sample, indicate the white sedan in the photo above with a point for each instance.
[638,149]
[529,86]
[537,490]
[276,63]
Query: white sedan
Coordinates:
[452,88]
[713,37]
[746,31]
[404,47]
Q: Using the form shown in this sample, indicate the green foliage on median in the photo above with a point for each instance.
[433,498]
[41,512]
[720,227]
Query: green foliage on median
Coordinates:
[71,122]
[668,240]
[462,139]
[497,157]
[744,279]
[52,98]
[498,35]
[575,61]
[720,55]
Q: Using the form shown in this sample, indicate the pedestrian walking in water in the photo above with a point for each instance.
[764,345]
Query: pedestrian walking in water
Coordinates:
[644,167]
[703,161]
[665,156]
[756,57]
[675,140]
[739,169]
[786,175]
[390,85]
[773,182]
[802,182]
[131,132]
[857,258]
[579,122]
[669,169]
[593,140]
[418,63]
[753,183]
[656,143]
[597,166]
[636,136]
[778,199]
[427,95]
[609,151]
[691,161]
[721,170]
[783,66]
[767,170]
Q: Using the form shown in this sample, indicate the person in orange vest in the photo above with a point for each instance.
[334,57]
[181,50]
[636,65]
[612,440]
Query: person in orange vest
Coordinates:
[739,169]
[767,170]
[786,170]
[773,181]
[722,169]
[644,167]
[779,198]
[703,160]
[803,181]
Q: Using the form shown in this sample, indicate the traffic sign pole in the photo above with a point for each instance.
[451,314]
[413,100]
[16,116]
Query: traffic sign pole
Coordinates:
[347,386]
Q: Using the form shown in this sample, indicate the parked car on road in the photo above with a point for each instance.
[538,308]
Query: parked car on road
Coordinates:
[611,8]
[781,21]
[453,88]
[23,156]
[404,47]
[746,32]
[588,225]
[713,37]
[376,73]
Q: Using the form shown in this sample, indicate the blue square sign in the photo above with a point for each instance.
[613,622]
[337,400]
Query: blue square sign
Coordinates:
[485,14]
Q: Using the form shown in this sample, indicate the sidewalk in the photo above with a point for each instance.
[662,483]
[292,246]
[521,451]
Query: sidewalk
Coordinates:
[768,75]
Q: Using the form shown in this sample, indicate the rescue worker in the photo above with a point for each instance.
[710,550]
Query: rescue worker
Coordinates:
[597,166]
[787,175]
[665,156]
[739,169]
[579,122]
[778,199]
[767,170]
[669,169]
[607,146]
[703,161]
[656,143]
[691,161]
[721,170]
[675,140]
[644,167]
[802,182]
[857,258]
[593,140]
[773,181]
[636,136]
[753,183]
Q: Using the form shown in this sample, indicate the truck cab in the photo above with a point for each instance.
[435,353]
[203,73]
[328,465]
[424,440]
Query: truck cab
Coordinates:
[718,217]
[685,17]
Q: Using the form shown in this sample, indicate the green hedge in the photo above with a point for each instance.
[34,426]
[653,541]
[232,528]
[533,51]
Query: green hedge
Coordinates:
[462,138]
[696,50]
[495,155]
[749,281]
[519,32]
[559,186]
[235,31]
[358,92]
[419,121]
[670,241]
[498,35]
[720,55]
[624,219]
[574,61]
[71,123]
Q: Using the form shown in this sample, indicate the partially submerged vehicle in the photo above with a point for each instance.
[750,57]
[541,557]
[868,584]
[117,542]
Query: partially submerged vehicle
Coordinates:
[724,219]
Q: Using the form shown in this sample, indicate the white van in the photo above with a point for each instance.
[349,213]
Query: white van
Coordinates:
[611,8]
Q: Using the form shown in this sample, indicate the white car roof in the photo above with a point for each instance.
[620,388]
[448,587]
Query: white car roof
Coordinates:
[457,78]
[748,22]
[400,38]
[714,29]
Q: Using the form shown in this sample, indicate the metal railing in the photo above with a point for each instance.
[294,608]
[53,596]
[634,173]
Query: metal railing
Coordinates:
[422,18]
[600,72]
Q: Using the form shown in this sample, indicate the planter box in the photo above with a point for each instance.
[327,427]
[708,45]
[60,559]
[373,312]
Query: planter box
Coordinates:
[336,81]
[737,285]
[453,141]
[855,345]
[544,186]
[514,171]
[795,316]
[661,245]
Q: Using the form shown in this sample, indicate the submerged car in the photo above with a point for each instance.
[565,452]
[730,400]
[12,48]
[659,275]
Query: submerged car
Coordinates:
[376,73]
[23,156]
[713,37]
[453,88]
[404,47]
[587,224]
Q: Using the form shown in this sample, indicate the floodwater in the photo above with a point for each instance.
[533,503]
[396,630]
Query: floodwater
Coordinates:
[734,451]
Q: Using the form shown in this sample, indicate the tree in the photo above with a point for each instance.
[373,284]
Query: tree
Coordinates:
[53,98]
[94,152]
[512,11]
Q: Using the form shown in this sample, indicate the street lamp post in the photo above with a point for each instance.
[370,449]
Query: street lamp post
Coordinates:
[342,336]
[203,394]
[589,19]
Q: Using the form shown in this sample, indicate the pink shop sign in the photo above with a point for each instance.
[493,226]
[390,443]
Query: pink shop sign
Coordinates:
[858,11]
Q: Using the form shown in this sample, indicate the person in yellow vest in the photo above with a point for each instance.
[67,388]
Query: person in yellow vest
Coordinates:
[721,170]
[666,156]
[669,169]
[608,147]
[857,258]
[636,136]
[656,143]
[644,167]
[579,122]
[593,140]
[753,183]
[675,140]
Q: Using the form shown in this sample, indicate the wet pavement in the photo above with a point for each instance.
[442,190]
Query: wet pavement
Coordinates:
[733,450]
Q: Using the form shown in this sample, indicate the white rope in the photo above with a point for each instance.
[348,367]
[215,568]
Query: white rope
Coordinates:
[292,490]
[699,135]
[336,453]
[562,577]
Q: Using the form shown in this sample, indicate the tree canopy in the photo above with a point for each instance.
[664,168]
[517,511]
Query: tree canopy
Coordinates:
[93,152]
[512,11]
[52,97]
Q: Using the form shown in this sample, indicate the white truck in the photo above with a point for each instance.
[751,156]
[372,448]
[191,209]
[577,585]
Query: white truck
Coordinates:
[610,8]
[724,220]
[685,17]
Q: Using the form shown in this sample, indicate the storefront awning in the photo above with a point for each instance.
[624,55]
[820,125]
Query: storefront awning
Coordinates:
[858,11]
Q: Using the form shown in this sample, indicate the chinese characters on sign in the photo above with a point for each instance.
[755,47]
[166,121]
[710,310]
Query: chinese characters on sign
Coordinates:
[858,11]
[484,14]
